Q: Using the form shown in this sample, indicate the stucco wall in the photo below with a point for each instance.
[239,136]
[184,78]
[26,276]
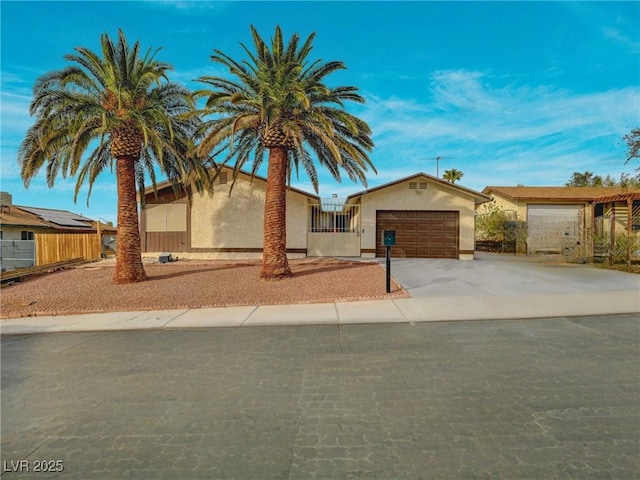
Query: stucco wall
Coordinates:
[236,221]
[506,204]
[12,233]
[340,244]
[520,206]
[434,197]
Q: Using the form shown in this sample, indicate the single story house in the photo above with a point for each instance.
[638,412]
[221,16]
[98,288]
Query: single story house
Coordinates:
[432,219]
[559,219]
[33,236]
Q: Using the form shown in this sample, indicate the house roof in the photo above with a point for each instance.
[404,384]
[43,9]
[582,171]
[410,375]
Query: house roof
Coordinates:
[585,194]
[15,217]
[47,218]
[478,196]
[168,184]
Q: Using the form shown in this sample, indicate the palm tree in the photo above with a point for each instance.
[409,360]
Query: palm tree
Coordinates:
[278,102]
[119,105]
[452,175]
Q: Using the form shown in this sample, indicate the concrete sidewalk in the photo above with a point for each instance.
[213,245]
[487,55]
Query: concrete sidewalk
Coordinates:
[432,309]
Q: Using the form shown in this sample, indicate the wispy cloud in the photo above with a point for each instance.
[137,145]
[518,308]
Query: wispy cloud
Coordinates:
[191,6]
[188,77]
[501,134]
[461,89]
[618,37]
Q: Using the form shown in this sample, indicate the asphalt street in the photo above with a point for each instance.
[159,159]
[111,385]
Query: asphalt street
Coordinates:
[555,398]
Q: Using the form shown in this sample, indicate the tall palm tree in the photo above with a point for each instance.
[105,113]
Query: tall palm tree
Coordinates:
[119,106]
[277,102]
[452,175]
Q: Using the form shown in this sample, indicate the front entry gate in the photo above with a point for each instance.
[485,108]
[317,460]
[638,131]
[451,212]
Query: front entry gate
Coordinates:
[334,230]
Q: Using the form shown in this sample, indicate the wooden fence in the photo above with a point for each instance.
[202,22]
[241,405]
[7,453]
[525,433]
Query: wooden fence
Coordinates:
[58,247]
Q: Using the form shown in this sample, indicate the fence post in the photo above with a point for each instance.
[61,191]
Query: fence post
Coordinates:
[99,238]
[613,232]
[629,213]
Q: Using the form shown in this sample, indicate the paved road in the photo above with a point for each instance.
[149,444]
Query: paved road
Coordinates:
[536,399]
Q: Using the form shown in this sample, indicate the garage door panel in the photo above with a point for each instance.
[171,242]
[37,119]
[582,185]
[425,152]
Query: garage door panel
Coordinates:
[552,228]
[422,234]
[390,216]
[407,239]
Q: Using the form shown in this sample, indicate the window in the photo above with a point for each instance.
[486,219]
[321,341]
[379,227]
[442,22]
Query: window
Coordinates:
[27,235]
[413,185]
[222,178]
[423,185]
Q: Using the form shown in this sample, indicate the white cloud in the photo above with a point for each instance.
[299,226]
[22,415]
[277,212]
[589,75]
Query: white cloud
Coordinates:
[618,37]
[461,89]
[14,120]
[191,6]
[14,111]
[188,77]
[523,133]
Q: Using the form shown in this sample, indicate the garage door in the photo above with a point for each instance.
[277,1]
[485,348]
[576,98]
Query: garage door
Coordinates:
[553,228]
[419,234]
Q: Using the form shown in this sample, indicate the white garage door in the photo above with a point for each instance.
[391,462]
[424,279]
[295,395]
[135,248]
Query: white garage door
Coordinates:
[553,228]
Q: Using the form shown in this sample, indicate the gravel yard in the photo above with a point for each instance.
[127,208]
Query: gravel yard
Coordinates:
[194,284]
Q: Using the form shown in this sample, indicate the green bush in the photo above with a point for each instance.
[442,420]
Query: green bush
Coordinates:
[623,240]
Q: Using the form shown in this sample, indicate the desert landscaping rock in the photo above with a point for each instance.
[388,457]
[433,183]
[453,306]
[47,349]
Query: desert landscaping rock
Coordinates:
[195,284]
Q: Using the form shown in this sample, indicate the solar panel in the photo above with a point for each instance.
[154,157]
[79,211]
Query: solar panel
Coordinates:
[60,217]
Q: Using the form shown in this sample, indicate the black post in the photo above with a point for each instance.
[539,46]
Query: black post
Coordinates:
[388,269]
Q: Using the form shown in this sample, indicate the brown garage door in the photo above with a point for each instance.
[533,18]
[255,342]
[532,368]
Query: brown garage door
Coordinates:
[420,234]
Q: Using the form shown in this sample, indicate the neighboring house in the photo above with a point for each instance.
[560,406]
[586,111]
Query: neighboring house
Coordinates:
[432,218]
[559,219]
[40,236]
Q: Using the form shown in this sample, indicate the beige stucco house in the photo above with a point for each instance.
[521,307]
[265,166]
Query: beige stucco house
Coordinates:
[432,218]
[559,219]
[221,225]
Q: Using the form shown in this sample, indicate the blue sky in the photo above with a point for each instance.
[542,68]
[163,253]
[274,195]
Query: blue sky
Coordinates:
[509,93]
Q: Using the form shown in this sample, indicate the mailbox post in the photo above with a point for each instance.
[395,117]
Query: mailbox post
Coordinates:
[388,240]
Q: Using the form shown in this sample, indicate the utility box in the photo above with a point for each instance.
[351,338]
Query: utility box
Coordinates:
[388,238]
[165,258]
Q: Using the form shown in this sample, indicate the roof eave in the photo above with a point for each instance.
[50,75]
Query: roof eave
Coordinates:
[167,183]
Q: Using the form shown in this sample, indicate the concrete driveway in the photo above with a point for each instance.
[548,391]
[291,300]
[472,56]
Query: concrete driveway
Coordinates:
[499,275]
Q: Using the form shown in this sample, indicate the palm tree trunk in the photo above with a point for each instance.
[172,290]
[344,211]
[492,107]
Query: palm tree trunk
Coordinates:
[274,249]
[129,267]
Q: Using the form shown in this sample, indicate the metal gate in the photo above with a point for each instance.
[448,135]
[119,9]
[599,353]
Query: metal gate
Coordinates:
[17,254]
[334,229]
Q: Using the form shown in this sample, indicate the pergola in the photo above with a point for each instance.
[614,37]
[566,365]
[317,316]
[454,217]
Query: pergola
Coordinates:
[628,200]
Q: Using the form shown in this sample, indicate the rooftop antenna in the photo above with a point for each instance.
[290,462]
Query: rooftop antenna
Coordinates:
[437,159]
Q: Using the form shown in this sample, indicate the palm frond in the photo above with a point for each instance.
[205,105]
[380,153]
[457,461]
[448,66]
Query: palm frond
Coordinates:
[278,86]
